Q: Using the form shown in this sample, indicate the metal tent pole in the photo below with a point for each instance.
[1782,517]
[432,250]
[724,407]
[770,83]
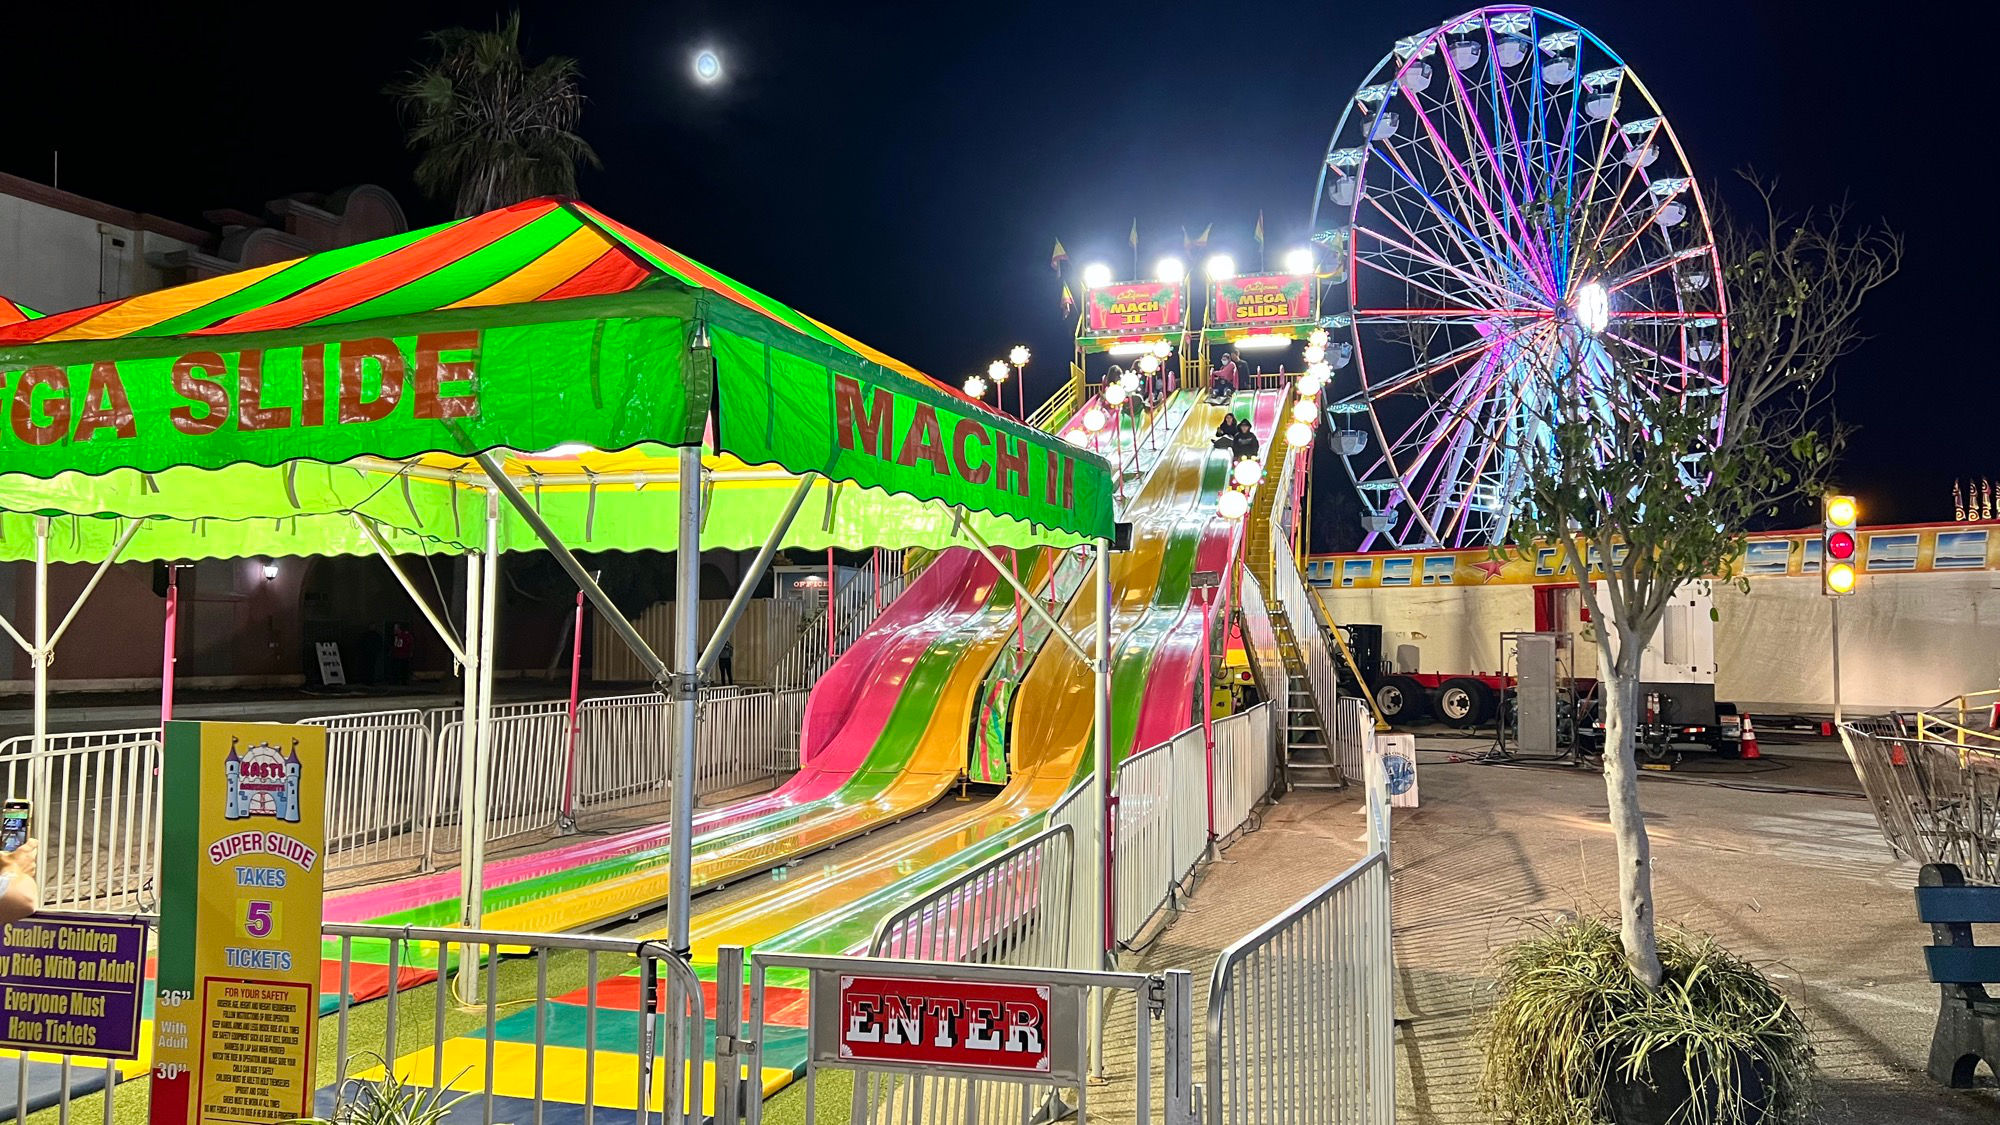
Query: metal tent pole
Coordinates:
[489,630]
[687,722]
[38,776]
[1101,791]
[470,823]
[169,633]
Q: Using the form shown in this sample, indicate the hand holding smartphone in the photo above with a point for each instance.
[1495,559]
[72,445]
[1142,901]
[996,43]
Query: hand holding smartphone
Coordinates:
[14,818]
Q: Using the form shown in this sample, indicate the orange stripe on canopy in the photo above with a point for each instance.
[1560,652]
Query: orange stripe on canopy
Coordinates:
[614,272]
[398,267]
[556,266]
[136,314]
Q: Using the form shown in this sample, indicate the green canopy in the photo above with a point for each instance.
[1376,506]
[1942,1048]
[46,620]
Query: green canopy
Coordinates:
[259,412]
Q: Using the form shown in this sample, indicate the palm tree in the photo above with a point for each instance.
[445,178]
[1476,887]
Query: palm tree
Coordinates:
[493,130]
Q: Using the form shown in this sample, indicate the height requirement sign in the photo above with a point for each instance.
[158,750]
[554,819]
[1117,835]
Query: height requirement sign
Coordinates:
[241,883]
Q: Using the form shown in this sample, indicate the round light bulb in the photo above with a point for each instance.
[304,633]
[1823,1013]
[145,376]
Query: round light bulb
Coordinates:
[1096,275]
[1129,380]
[1318,338]
[1840,578]
[1303,411]
[975,386]
[1114,393]
[1299,261]
[1314,353]
[1320,368]
[1840,510]
[1095,418]
[1310,385]
[1247,472]
[1232,505]
[1019,356]
[1077,438]
[1592,305]
[998,371]
[1162,349]
[1149,363]
[1170,271]
[1221,266]
[1298,433]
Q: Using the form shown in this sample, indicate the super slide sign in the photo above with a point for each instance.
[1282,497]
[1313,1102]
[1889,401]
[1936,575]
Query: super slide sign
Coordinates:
[970,1028]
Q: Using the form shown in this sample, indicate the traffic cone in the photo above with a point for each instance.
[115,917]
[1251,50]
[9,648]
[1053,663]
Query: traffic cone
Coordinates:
[1748,744]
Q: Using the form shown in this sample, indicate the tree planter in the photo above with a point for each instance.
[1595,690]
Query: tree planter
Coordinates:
[1663,1096]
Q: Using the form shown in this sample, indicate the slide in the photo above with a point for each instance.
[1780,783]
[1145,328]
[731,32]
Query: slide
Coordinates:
[836,909]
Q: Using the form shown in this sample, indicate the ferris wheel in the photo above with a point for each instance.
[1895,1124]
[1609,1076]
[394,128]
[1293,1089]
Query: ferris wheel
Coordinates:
[1502,202]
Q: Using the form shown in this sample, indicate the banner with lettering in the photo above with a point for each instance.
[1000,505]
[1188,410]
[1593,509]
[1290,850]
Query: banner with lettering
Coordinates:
[1135,308]
[1247,302]
[606,383]
[900,436]
[241,890]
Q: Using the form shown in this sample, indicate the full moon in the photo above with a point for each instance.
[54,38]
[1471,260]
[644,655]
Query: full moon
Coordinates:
[707,66]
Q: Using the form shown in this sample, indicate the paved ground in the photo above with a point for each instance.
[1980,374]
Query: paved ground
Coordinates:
[1800,880]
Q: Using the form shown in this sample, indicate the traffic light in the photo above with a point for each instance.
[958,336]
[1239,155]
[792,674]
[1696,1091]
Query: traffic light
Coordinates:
[1837,546]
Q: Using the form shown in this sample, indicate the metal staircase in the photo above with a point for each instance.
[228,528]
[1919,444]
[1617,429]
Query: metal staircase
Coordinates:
[1310,758]
[1310,762]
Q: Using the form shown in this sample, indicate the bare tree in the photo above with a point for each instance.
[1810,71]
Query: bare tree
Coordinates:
[1636,469]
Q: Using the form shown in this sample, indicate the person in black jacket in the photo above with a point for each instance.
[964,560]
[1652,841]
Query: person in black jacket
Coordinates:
[1246,441]
[1225,434]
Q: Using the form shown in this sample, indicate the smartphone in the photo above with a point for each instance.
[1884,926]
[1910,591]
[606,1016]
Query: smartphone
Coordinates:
[13,825]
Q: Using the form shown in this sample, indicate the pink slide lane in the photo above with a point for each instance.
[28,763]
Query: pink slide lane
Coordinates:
[1175,673]
[956,585]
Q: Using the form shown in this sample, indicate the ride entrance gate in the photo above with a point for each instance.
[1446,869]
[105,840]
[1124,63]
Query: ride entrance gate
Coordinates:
[935,1043]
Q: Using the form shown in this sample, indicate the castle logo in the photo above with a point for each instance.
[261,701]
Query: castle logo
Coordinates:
[261,781]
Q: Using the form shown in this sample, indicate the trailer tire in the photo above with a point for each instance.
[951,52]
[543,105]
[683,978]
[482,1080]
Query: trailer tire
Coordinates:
[1401,700]
[1462,702]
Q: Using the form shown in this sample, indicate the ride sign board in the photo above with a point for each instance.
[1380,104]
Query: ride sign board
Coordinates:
[1263,300]
[241,888]
[1134,308]
[72,984]
[933,1025]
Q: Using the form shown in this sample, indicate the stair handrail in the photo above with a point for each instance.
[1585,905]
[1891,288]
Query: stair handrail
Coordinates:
[1060,406]
[1298,603]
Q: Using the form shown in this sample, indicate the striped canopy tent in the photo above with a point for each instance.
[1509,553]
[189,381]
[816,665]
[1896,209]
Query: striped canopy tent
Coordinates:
[261,412]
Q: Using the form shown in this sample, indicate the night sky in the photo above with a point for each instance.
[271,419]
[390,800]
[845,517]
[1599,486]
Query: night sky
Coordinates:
[901,172]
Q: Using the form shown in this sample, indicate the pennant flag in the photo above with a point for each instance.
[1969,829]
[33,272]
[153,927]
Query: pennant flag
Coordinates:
[1135,236]
[1060,256]
[1194,247]
[1069,298]
[1260,228]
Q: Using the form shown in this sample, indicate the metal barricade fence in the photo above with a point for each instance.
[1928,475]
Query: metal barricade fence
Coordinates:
[529,760]
[96,798]
[1301,1012]
[382,781]
[1936,801]
[1076,812]
[527,991]
[1246,766]
[622,752]
[1162,811]
[1353,735]
[1015,909]
[898,1092]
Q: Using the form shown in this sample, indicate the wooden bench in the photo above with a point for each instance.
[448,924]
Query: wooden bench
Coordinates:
[1968,1023]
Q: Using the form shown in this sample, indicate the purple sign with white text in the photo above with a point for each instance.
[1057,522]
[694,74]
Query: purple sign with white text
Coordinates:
[73,984]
